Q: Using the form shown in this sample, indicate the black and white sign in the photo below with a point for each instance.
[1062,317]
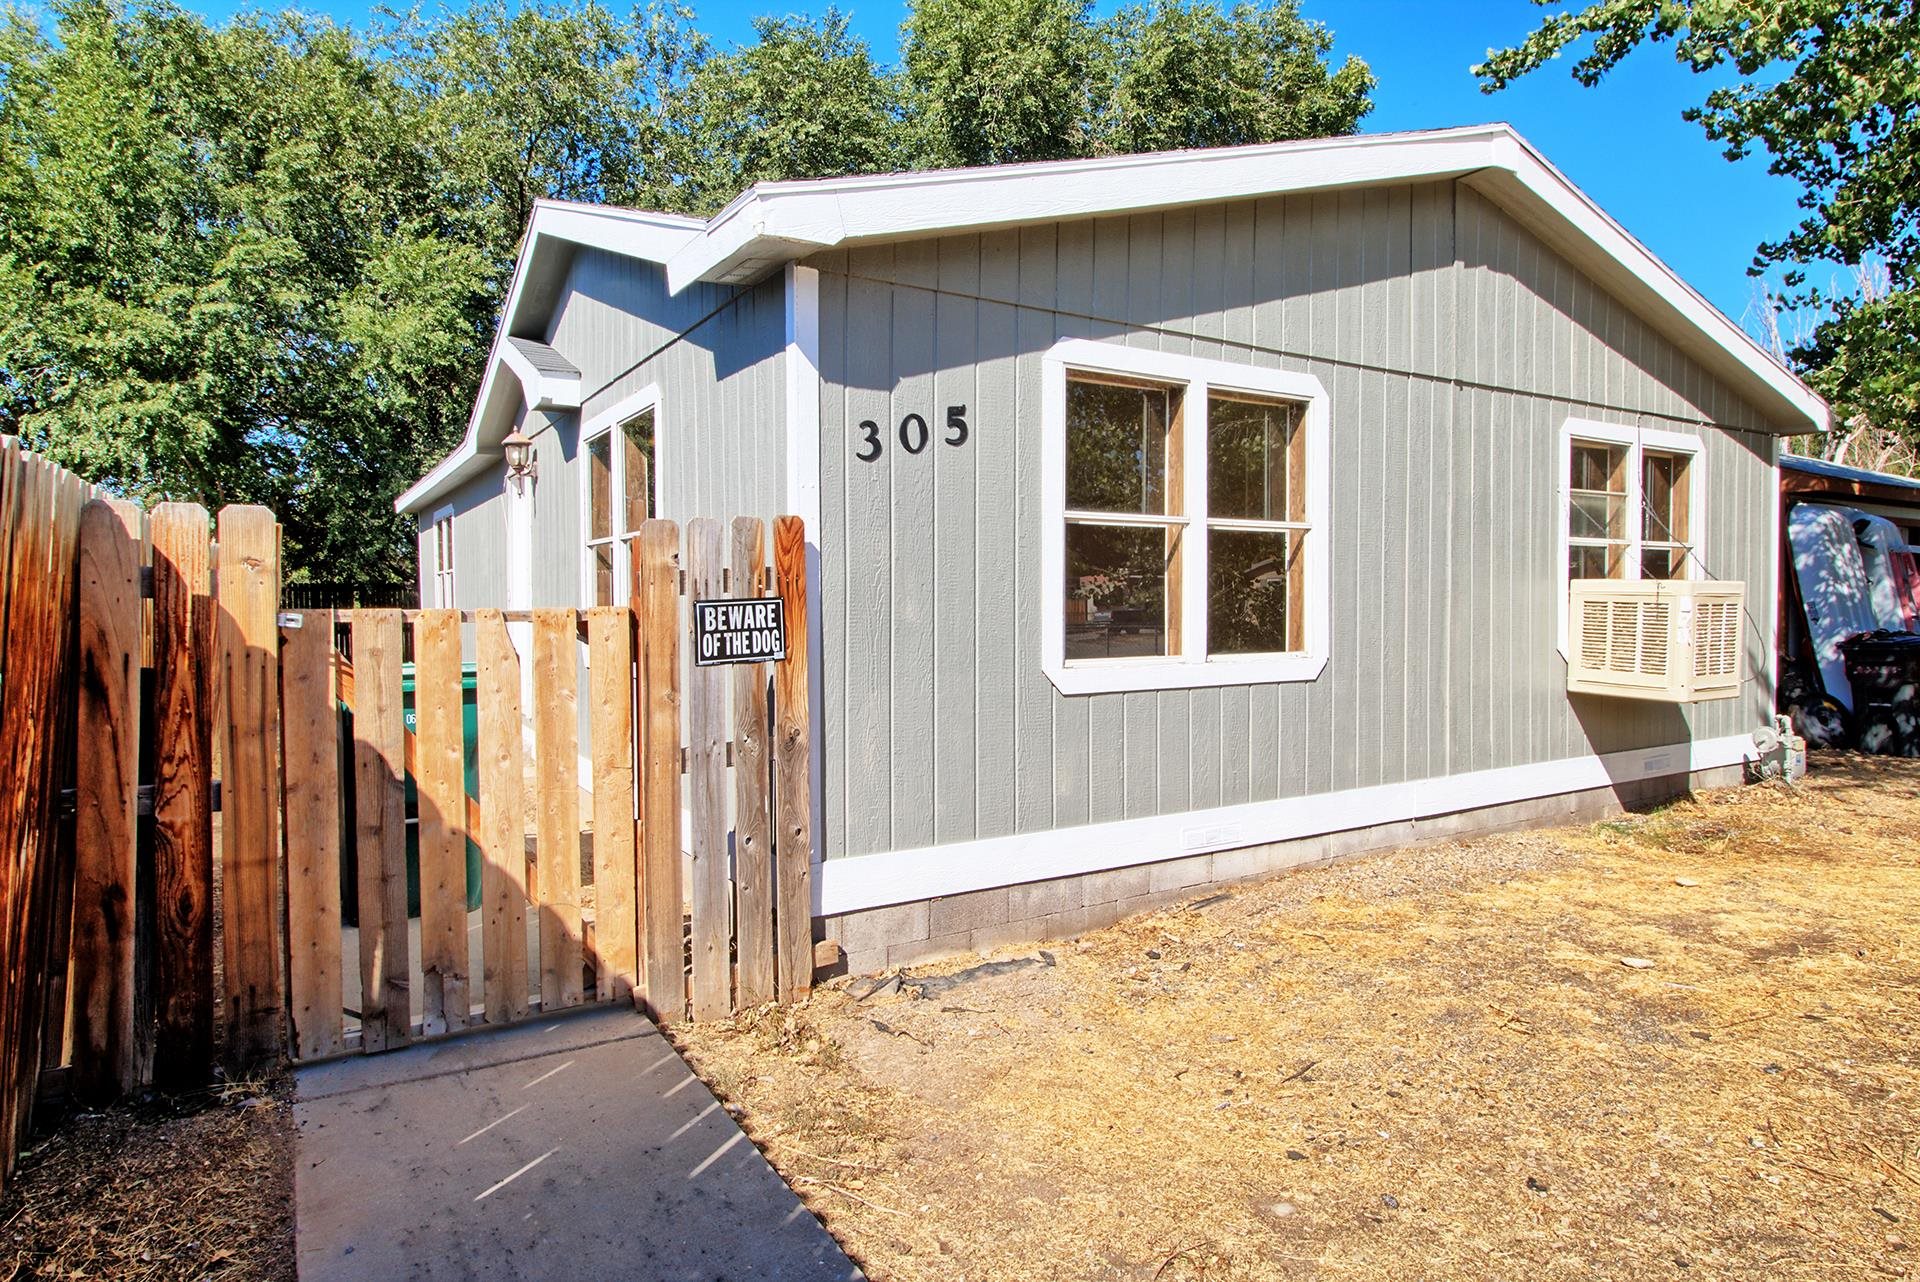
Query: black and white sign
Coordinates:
[739,631]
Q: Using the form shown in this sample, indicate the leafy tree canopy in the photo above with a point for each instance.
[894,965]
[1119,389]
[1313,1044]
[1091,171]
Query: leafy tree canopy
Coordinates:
[261,262]
[1830,89]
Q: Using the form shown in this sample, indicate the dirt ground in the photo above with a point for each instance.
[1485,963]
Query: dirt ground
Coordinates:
[194,1186]
[1434,1063]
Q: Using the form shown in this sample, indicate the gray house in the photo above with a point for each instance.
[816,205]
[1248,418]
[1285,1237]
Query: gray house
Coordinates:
[1176,518]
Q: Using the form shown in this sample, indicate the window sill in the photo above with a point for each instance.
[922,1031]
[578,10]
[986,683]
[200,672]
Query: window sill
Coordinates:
[1108,676]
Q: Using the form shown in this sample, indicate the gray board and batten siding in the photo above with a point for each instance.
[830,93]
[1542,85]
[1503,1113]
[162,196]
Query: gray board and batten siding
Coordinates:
[1453,346]
[717,355]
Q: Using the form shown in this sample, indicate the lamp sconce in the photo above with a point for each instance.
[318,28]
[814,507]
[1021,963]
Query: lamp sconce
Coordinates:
[521,465]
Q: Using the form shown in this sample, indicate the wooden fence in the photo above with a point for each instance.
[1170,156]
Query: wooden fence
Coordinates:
[185,763]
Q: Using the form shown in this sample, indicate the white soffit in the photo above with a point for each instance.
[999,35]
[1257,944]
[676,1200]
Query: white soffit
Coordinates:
[773,223]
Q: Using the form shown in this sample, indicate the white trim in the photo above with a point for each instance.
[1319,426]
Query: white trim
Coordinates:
[1636,440]
[630,232]
[443,573]
[1770,663]
[803,501]
[540,390]
[1195,669]
[903,876]
[771,223]
[604,423]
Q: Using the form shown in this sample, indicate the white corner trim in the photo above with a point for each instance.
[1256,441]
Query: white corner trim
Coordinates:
[803,500]
[1636,439]
[903,876]
[1195,669]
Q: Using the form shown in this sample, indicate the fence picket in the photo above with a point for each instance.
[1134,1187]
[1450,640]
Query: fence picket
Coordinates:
[610,669]
[792,748]
[310,748]
[556,737]
[656,600]
[752,847]
[106,786]
[503,845]
[182,793]
[380,823]
[248,586]
[440,784]
[706,787]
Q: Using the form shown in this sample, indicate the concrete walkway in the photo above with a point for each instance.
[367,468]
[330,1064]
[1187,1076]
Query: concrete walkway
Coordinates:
[574,1147]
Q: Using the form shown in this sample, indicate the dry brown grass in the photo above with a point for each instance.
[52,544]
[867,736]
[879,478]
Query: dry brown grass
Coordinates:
[191,1186]
[1431,1063]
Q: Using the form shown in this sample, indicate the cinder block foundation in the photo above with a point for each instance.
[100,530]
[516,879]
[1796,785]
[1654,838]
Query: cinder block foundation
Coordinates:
[876,939]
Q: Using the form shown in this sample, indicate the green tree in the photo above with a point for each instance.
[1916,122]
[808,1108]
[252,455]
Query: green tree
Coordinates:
[994,81]
[1185,73]
[805,100]
[1830,89]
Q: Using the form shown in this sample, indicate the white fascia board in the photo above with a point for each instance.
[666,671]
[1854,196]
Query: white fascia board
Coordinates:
[631,233]
[823,213]
[1526,184]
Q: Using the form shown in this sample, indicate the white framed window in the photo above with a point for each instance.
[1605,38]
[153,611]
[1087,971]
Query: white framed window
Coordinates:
[441,532]
[1632,505]
[1185,507]
[620,489]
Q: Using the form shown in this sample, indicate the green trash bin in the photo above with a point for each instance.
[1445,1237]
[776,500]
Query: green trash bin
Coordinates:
[470,753]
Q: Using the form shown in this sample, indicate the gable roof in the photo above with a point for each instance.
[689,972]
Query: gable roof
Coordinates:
[771,224]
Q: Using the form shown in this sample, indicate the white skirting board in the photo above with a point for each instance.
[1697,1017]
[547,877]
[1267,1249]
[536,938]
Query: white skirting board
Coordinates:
[903,876]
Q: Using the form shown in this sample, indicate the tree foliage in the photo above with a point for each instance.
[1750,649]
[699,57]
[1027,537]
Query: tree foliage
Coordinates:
[261,262]
[1830,89]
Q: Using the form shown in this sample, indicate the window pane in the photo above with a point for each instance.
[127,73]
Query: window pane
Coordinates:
[1247,460]
[1597,516]
[1117,447]
[602,573]
[1663,563]
[637,436]
[1597,562]
[1116,591]
[1602,468]
[600,486]
[1247,591]
[1664,498]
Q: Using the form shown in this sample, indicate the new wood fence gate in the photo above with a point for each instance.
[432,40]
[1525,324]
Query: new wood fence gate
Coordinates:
[577,812]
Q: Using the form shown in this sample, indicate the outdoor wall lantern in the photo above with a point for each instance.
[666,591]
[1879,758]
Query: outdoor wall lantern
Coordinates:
[521,468]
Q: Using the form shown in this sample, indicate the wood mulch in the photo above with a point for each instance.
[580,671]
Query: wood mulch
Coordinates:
[1678,1045]
[190,1186]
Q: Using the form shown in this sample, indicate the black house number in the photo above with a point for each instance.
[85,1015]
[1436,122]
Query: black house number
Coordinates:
[914,434]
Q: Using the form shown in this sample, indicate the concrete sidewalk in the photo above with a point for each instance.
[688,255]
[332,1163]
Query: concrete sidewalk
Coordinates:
[574,1147]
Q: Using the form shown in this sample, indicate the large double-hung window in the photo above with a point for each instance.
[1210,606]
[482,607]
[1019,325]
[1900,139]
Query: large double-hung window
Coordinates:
[1186,521]
[620,496]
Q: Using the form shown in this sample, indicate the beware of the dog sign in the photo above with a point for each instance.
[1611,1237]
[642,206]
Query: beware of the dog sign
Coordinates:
[739,631]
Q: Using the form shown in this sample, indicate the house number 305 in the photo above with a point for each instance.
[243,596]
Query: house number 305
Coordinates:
[915,435]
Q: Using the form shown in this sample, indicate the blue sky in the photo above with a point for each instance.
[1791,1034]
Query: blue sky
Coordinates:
[1623,142]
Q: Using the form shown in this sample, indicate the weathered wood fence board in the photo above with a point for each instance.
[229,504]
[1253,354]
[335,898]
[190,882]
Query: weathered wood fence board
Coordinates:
[503,847]
[440,785]
[556,737]
[310,733]
[106,793]
[182,829]
[792,748]
[752,834]
[656,595]
[706,785]
[247,573]
[306,717]
[615,920]
[380,830]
